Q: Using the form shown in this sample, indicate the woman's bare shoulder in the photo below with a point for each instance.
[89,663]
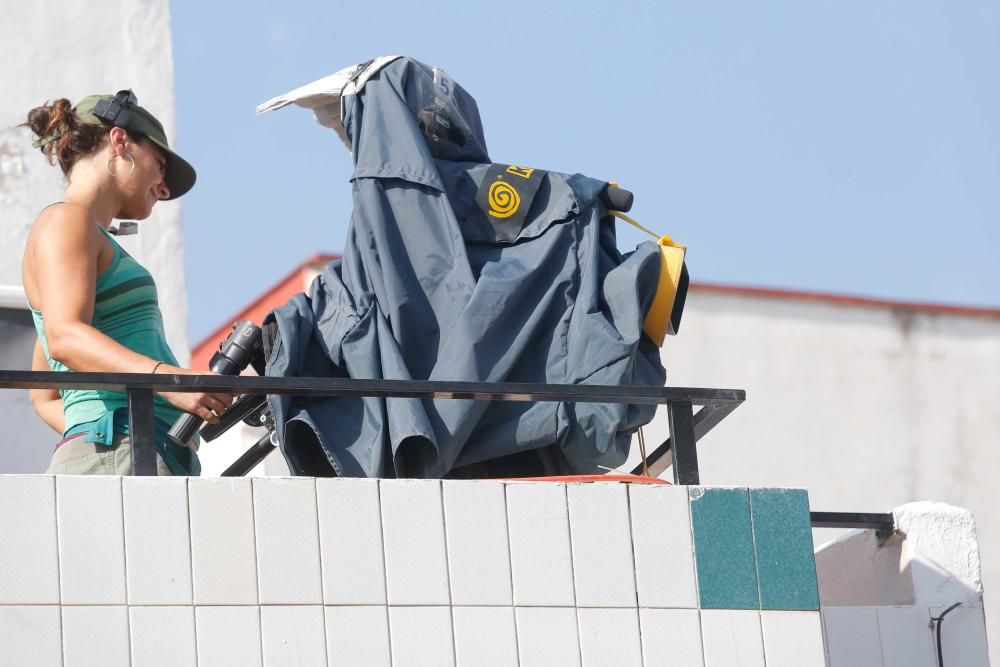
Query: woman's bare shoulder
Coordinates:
[63,213]
[65,221]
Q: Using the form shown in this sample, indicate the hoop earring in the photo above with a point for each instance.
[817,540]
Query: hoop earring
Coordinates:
[107,165]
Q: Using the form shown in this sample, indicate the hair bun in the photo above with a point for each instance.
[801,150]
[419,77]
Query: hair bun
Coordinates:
[61,135]
[50,118]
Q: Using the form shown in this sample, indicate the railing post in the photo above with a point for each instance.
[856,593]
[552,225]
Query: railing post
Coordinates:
[140,428]
[682,439]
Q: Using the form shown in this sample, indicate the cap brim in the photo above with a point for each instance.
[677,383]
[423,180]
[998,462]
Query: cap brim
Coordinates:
[180,176]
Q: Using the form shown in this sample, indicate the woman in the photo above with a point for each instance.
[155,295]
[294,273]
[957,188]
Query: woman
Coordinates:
[95,308]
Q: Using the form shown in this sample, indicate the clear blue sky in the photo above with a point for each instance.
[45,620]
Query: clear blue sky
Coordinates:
[848,147]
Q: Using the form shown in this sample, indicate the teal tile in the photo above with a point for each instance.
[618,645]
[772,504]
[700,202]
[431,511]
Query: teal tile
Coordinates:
[786,567]
[723,548]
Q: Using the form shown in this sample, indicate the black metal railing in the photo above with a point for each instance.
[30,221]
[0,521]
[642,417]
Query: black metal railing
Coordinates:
[686,426]
[882,523]
[679,450]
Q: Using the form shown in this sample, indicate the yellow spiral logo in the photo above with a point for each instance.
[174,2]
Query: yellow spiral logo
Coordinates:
[504,200]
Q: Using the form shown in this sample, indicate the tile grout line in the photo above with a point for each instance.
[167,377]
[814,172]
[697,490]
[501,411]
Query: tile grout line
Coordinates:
[572,569]
[326,640]
[694,552]
[256,547]
[388,632]
[319,550]
[510,571]
[322,572]
[128,614]
[194,614]
[385,571]
[322,568]
[260,627]
[697,576]
[447,574]
[62,633]
[444,539]
[256,567]
[121,498]
[635,567]
[694,571]
[572,554]
[756,570]
[59,567]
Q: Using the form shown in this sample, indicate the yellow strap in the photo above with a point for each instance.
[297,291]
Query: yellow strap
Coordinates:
[664,239]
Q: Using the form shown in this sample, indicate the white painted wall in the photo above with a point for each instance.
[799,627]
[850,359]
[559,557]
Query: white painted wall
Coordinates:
[868,408]
[879,601]
[72,50]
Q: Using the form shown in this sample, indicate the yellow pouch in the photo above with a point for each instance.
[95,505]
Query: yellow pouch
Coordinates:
[661,319]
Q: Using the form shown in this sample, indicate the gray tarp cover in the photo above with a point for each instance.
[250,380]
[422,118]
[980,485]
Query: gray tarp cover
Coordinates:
[420,295]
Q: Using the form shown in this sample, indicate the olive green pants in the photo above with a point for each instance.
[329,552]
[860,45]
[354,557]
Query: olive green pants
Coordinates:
[77,457]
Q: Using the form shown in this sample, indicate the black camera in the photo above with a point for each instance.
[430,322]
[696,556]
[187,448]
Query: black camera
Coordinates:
[240,349]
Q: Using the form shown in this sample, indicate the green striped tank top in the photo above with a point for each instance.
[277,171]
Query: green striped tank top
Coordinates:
[127,310]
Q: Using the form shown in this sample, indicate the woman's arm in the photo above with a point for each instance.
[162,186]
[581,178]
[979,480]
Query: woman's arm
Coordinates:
[47,402]
[65,247]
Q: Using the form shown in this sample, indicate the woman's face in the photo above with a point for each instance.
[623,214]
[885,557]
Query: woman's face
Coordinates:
[145,186]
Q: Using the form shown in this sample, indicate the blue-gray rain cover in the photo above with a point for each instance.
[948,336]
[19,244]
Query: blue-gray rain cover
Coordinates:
[436,284]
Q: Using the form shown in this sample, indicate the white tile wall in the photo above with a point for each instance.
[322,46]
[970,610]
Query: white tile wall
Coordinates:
[357,636]
[228,636]
[95,636]
[287,531]
[485,636]
[413,532]
[793,638]
[478,550]
[906,637]
[421,636]
[540,556]
[664,556]
[293,635]
[223,553]
[163,636]
[852,637]
[350,531]
[91,539]
[671,637]
[31,635]
[29,557]
[434,545]
[732,637]
[601,538]
[547,636]
[609,637]
[157,541]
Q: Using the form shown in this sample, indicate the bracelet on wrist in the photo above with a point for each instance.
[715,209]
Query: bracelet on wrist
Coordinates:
[156,366]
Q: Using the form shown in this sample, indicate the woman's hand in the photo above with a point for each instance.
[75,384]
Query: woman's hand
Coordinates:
[206,405]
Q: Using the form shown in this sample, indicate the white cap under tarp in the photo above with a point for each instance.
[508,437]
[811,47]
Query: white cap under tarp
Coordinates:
[323,95]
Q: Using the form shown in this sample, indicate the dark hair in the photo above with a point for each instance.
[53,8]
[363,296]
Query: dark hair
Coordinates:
[66,137]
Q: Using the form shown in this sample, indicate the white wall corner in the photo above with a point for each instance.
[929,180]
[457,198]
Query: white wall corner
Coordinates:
[853,570]
[942,553]
[934,565]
